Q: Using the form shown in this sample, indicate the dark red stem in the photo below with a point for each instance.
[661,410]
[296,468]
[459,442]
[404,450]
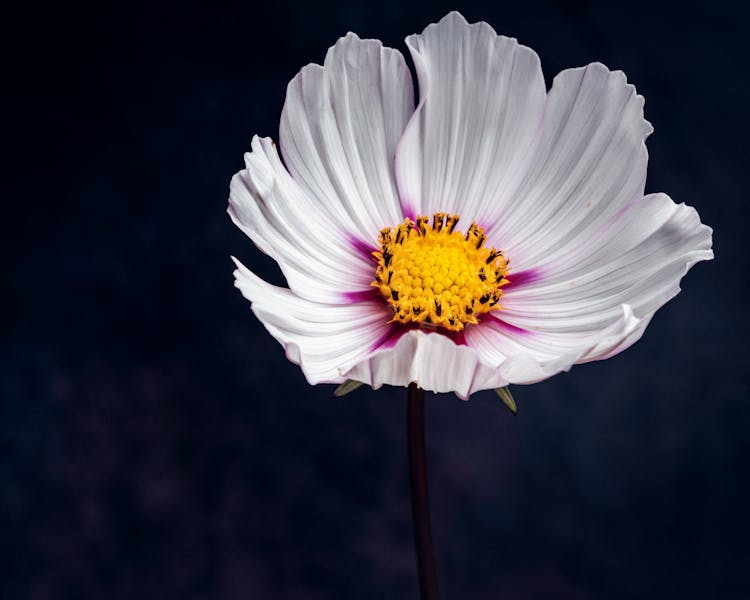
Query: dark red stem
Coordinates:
[419,505]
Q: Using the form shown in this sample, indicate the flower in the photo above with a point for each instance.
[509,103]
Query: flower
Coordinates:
[496,233]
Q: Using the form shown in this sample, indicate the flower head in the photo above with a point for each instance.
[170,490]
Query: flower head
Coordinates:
[494,233]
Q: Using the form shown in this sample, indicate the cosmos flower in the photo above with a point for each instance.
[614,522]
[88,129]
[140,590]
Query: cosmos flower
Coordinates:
[494,233]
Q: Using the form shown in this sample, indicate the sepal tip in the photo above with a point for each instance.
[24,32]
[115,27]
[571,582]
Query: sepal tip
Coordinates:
[346,388]
[507,398]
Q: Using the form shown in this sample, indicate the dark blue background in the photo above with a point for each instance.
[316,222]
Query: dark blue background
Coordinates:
[154,441]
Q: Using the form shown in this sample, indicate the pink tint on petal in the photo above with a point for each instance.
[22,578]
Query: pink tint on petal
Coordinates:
[408,211]
[496,323]
[396,330]
[390,337]
[364,249]
[523,277]
[370,295]
[458,337]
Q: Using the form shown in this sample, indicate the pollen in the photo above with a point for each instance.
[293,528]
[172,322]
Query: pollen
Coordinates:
[436,276]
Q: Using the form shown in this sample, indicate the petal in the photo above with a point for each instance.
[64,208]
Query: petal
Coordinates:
[482,103]
[487,361]
[315,255]
[530,356]
[432,360]
[339,129]
[590,163]
[637,258]
[323,339]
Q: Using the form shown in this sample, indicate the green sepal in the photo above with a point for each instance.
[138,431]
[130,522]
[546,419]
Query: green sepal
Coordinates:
[507,398]
[346,388]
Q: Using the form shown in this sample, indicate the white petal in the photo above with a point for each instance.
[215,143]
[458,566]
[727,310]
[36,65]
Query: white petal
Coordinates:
[530,356]
[490,358]
[637,258]
[317,257]
[323,339]
[339,130]
[481,106]
[431,360]
[590,163]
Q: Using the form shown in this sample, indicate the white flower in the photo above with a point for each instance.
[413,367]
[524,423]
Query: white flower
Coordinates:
[554,181]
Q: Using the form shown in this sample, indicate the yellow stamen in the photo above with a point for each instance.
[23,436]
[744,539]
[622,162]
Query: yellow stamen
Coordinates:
[436,275]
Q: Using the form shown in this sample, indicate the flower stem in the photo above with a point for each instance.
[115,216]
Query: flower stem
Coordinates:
[419,505]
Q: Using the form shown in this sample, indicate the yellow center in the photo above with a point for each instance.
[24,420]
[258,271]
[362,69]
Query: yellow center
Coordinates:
[437,275]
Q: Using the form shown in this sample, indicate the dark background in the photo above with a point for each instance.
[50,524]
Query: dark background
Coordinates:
[154,441]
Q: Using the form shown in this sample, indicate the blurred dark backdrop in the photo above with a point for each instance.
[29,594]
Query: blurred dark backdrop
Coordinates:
[154,441]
